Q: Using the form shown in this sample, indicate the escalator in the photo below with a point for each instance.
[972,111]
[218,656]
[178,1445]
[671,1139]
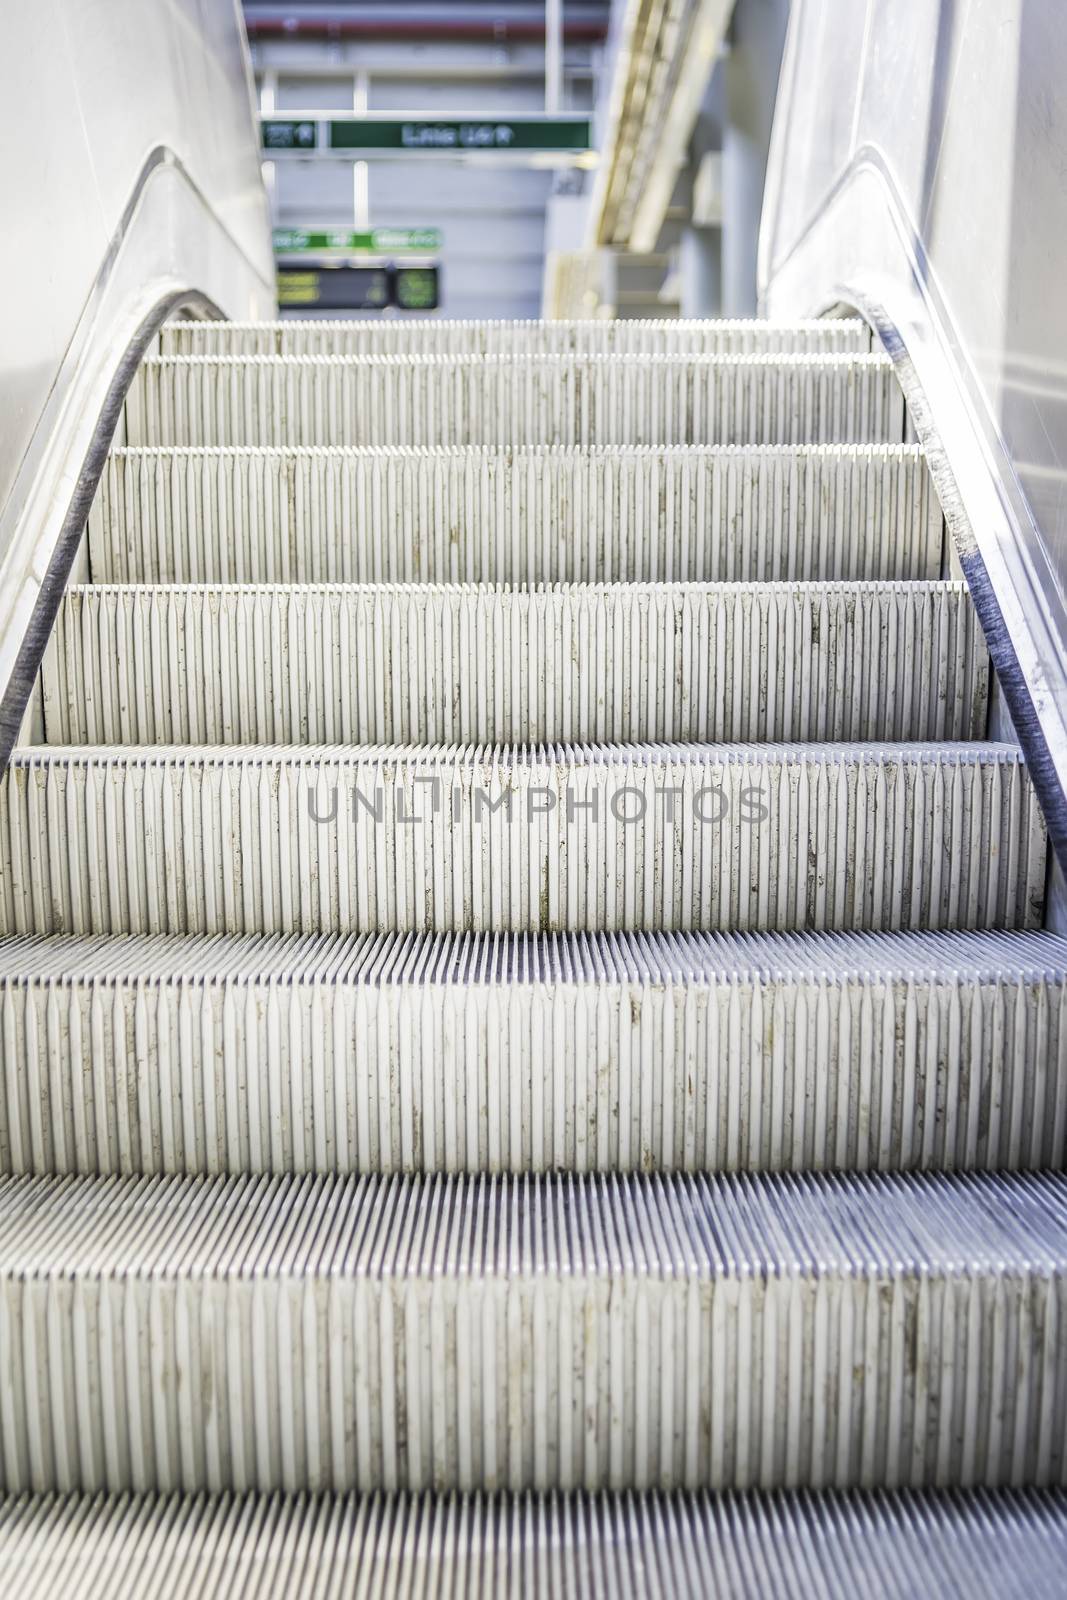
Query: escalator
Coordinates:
[532,1058]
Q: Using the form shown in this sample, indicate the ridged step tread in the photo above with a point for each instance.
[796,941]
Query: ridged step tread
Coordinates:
[417,336]
[520,400]
[628,1052]
[533,1333]
[378,838]
[525,515]
[459,664]
[980,1545]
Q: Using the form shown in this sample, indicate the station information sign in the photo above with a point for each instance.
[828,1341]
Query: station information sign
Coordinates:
[308,135]
[324,287]
[369,241]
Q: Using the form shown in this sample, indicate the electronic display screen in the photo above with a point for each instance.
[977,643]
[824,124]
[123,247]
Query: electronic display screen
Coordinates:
[334,288]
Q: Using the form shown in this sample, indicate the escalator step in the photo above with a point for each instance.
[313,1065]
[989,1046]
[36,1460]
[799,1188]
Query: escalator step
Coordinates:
[459,664]
[700,514]
[502,400]
[983,1545]
[542,838]
[414,336]
[566,1332]
[486,1053]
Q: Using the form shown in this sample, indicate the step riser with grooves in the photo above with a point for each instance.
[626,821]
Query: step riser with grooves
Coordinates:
[569,837]
[988,1546]
[361,1202]
[527,516]
[453,665]
[524,400]
[337,1333]
[402,337]
[627,1054]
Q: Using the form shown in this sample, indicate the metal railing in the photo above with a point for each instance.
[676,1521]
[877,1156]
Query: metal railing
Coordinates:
[132,187]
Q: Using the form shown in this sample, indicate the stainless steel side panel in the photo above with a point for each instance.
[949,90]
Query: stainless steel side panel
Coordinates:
[918,174]
[129,181]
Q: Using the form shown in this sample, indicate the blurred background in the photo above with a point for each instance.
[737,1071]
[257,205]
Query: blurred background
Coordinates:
[496,158]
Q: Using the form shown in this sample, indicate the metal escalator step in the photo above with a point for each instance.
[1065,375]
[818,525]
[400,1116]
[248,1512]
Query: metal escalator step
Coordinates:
[566,1332]
[486,1053]
[702,514]
[975,1545]
[403,336]
[378,838]
[520,400]
[455,664]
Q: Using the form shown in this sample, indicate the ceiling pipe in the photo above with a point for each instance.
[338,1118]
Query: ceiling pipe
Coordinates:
[385,24]
[553,55]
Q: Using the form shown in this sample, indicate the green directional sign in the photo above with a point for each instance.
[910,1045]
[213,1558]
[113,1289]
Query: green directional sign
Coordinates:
[534,133]
[373,241]
[417,134]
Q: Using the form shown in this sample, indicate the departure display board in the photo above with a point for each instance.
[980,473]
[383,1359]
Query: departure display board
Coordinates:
[326,288]
[321,287]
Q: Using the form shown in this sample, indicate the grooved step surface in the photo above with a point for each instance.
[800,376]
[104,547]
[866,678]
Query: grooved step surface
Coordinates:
[490,1053]
[275,839]
[488,1003]
[336,1333]
[457,664]
[698,513]
[523,400]
[981,1545]
[414,336]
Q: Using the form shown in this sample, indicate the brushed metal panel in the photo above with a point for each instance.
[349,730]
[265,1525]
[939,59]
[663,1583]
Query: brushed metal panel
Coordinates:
[917,174]
[131,178]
